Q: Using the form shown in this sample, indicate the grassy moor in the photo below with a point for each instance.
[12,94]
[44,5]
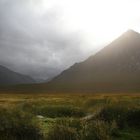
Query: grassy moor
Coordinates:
[70,117]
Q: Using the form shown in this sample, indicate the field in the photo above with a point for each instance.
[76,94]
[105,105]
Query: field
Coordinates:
[70,117]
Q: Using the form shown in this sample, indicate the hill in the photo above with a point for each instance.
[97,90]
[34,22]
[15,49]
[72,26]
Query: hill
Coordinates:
[115,68]
[9,77]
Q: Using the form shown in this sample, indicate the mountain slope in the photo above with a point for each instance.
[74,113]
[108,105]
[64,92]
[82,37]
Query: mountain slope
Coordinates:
[9,77]
[115,68]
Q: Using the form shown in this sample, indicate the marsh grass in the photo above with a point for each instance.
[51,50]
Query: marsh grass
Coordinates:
[16,124]
[53,111]
[65,117]
[125,116]
[65,129]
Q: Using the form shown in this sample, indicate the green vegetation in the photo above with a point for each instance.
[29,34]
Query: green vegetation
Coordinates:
[16,124]
[70,117]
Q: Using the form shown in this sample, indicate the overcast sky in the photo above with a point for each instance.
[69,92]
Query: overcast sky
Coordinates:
[43,37]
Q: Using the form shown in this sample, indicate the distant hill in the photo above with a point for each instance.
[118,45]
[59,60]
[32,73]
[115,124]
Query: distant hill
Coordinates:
[115,68]
[9,77]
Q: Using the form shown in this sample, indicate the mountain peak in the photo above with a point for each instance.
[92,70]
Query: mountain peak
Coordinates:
[131,33]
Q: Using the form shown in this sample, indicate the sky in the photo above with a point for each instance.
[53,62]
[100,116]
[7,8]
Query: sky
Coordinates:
[41,38]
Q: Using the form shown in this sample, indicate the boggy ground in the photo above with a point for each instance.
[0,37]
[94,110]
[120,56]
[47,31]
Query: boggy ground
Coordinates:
[70,117]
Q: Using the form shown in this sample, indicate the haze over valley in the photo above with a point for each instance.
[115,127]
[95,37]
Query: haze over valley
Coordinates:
[43,38]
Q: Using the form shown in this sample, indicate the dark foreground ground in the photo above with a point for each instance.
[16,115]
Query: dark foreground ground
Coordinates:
[70,117]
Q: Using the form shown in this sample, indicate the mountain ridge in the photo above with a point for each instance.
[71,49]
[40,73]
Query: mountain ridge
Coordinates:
[9,77]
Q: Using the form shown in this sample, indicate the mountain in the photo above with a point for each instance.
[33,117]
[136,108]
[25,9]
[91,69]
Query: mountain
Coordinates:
[9,77]
[116,68]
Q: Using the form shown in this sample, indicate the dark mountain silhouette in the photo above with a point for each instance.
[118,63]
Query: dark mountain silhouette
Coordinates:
[9,77]
[115,68]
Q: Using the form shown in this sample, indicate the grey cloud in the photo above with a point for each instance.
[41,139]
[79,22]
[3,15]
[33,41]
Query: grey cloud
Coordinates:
[36,44]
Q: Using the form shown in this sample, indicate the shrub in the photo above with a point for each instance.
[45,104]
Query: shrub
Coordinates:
[58,111]
[94,102]
[97,130]
[124,116]
[133,117]
[114,112]
[53,111]
[16,124]
[63,130]
[70,122]
[62,133]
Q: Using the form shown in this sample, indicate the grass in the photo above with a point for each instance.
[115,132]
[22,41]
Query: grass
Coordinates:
[16,124]
[70,116]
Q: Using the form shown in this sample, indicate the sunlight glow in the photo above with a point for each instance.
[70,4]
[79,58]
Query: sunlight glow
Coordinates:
[101,21]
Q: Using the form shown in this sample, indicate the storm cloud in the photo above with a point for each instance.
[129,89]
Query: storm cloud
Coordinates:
[34,41]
